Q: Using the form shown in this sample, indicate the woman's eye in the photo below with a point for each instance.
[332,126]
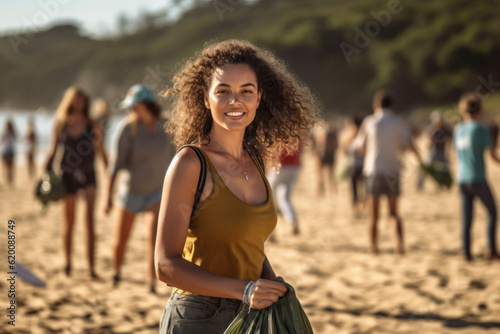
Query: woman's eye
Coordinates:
[247,91]
[222,91]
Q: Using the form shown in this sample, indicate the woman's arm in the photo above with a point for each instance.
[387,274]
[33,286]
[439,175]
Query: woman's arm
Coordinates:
[121,159]
[177,200]
[109,194]
[56,130]
[268,272]
[99,143]
[494,155]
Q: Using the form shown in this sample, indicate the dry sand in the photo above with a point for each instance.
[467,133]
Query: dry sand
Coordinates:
[341,287]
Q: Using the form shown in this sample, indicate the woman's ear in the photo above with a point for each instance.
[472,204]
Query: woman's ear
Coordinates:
[259,96]
[205,98]
[135,108]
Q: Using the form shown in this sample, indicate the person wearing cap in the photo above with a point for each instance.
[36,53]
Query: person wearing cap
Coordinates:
[439,136]
[142,150]
[471,140]
[81,139]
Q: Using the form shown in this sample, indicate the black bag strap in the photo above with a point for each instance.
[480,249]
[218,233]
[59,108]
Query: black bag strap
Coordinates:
[261,162]
[203,174]
[258,158]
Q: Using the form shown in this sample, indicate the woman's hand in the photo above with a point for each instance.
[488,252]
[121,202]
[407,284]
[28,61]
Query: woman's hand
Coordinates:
[265,293]
[48,165]
[108,205]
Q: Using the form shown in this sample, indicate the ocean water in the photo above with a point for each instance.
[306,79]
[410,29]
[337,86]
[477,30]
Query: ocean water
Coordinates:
[43,123]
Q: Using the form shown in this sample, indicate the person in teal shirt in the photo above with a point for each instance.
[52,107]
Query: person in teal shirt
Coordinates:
[471,139]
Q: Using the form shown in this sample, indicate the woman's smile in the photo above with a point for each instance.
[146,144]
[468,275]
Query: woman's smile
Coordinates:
[233,97]
[235,114]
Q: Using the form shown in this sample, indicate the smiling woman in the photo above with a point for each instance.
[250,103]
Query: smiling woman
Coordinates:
[286,112]
[234,103]
[233,97]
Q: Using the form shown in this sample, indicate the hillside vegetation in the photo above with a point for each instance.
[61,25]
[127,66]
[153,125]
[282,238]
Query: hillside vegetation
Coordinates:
[427,51]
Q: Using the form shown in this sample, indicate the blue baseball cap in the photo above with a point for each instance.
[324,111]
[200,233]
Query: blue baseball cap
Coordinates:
[137,93]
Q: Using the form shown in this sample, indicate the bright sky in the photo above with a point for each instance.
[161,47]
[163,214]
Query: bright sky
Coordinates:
[97,17]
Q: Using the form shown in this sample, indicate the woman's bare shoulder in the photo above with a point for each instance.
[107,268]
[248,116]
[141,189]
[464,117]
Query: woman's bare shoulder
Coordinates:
[58,126]
[186,161]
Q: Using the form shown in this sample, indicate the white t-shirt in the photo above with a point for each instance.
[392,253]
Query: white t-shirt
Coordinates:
[384,137]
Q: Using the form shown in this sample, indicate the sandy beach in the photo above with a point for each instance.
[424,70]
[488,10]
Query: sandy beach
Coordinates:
[341,287]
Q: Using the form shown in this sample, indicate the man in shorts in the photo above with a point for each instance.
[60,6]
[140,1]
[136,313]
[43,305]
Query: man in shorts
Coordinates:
[381,138]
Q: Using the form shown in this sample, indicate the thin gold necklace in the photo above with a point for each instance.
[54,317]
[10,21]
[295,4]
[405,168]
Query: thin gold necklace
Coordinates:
[239,164]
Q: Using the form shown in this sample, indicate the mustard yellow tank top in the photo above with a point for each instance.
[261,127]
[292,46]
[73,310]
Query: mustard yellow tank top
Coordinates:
[226,235]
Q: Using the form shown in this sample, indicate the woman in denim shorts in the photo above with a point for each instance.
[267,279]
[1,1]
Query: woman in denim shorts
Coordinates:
[143,152]
[237,106]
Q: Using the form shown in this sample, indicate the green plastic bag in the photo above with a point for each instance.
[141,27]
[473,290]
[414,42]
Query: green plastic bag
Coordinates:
[439,173]
[345,172]
[286,316]
[49,188]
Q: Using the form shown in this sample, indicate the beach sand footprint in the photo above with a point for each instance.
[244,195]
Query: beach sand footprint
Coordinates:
[477,284]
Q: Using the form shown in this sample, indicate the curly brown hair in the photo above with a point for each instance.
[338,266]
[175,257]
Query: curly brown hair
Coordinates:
[287,109]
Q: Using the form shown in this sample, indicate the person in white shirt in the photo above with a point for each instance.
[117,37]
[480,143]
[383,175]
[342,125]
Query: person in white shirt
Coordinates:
[381,138]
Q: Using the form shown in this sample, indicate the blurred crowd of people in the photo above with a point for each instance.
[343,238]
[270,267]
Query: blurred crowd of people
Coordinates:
[372,148]
[8,141]
[141,149]
[370,145]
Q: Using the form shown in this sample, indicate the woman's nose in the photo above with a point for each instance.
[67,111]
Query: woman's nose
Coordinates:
[234,99]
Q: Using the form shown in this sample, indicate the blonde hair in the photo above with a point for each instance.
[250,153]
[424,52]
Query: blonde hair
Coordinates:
[65,107]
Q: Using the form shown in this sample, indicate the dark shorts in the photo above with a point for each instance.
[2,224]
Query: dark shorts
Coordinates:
[328,159]
[75,180]
[8,155]
[356,172]
[195,314]
[383,184]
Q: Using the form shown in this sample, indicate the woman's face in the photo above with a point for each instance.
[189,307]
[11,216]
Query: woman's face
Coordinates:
[142,112]
[78,103]
[233,97]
